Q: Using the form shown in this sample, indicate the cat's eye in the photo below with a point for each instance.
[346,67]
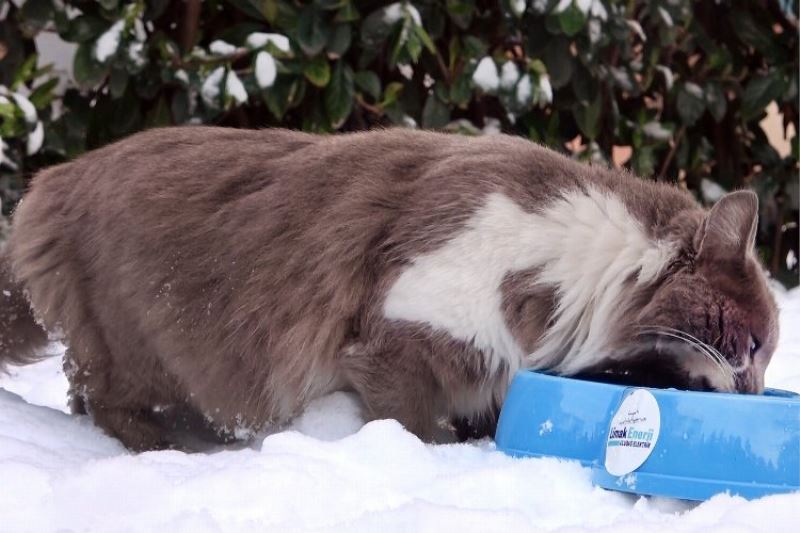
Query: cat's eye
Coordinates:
[754,346]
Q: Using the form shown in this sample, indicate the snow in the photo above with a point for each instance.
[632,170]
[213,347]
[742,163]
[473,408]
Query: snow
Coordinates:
[393,13]
[485,76]
[35,139]
[562,6]
[266,71]
[182,76]
[260,39]
[139,30]
[492,126]
[26,106]
[406,70]
[595,8]
[524,89]
[211,86]
[106,46]
[711,190]
[136,53]
[329,471]
[235,88]
[36,136]
[598,10]
[545,89]
[509,75]
[221,48]
[667,73]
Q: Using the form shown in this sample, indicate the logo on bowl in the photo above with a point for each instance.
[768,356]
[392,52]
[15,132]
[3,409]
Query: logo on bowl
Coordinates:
[633,432]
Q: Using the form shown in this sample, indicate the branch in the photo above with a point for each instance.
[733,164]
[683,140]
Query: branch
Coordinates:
[190,24]
[671,154]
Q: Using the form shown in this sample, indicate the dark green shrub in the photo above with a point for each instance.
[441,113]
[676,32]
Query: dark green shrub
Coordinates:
[681,86]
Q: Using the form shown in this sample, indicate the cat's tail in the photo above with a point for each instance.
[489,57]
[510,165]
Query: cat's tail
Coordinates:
[21,337]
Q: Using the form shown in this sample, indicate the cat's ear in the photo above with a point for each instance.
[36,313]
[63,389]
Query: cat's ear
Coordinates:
[729,230]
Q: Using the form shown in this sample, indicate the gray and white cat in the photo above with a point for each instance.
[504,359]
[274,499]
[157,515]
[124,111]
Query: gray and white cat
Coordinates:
[241,274]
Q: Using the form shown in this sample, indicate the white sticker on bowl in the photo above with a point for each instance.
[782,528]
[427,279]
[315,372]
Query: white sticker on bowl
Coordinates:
[633,433]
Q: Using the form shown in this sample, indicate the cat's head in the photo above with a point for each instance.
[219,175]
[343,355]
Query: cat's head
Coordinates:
[712,323]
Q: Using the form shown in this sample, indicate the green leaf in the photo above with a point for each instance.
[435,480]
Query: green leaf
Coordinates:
[348,13]
[716,101]
[435,114]
[583,84]
[644,162]
[760,92]
[159,115]
[43,94]
[413,46]
[656,131]
[369,82]
[474,47]
[25,72]
[750,30]
[391,93]
[12,123]
[461,91]
[282,95]
[559,62]
[461,12]
[375,30]
[425,38]
[622,79]
[312,32]
[330,5]
[179,107]
[318,71]
[83,28]
[88,72]
[118,82]
[340,40]
[587,116]
[572,20]
[690,103]
[249,8]
[37,13]
[339,94]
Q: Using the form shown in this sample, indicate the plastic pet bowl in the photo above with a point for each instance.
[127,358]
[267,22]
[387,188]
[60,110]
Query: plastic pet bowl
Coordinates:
[688,445]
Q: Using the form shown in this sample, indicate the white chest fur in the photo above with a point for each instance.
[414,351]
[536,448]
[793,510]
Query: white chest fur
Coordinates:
[586,244]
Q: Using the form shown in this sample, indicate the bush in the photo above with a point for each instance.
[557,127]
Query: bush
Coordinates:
[674,89]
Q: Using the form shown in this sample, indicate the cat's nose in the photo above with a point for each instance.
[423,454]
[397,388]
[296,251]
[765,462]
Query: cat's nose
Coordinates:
[758,383]
[750,383]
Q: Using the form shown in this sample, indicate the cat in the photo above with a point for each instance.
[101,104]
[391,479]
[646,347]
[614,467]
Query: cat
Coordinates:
[241,274]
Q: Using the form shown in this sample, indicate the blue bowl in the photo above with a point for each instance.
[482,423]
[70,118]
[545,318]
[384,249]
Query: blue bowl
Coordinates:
[688,445]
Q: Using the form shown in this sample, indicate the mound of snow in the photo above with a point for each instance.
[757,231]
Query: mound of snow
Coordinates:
[328,471]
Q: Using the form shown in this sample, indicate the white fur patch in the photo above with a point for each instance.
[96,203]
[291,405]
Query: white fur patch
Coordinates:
[586,245]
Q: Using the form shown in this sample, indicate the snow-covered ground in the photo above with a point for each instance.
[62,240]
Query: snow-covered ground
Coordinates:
[329,471]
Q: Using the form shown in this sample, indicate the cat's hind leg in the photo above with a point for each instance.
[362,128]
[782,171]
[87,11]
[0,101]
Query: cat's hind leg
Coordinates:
[115,380]
[97,389]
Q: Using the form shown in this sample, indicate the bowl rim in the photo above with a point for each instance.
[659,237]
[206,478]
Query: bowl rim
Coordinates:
[770,394]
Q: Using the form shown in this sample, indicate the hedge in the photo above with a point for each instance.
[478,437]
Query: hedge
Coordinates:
[673,89]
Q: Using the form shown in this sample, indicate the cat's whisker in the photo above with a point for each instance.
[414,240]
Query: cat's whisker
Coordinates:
[693,341]
[704,349]
[713,350]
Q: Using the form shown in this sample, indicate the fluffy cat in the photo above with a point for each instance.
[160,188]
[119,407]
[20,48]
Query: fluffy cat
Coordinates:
[240,274]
